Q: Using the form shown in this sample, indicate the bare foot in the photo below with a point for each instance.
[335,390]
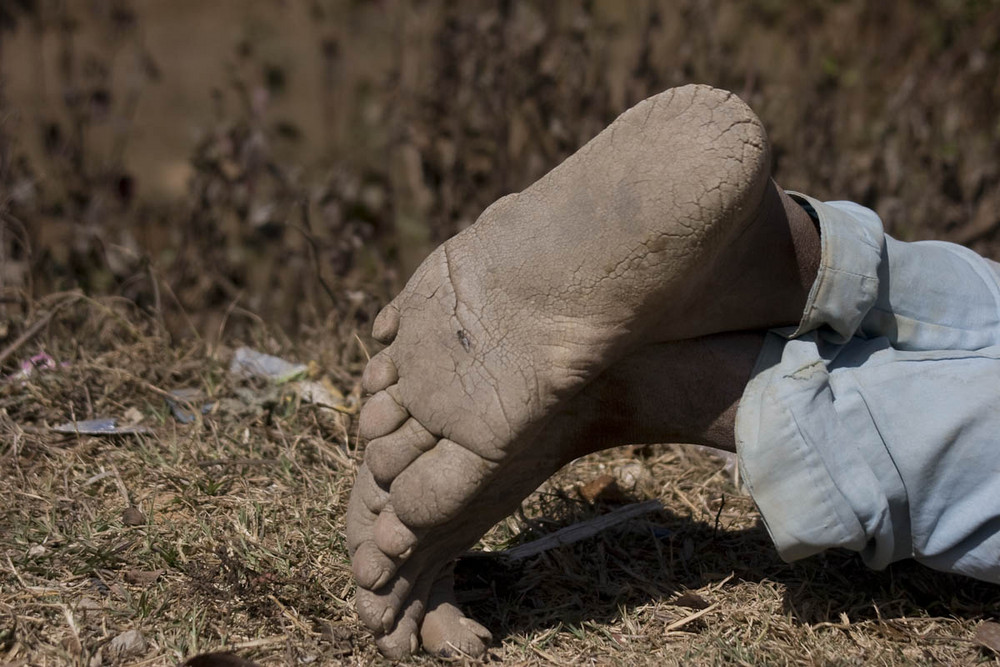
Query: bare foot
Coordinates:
[672,392]
[625,244]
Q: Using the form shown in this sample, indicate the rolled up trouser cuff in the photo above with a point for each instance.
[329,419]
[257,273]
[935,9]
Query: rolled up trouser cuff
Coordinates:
[852,244]
[872,425]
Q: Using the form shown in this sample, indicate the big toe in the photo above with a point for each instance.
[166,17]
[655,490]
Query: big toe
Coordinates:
[446,631]
[436,487]
[449,633]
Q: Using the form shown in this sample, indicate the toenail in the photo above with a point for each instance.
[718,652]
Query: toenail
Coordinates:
[366,576]
[388,616]
[392,536]
[382,579]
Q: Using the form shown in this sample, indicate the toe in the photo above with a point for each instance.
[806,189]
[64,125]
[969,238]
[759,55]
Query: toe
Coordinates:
[403,641]
[446,631]
[437,486]
[371,566]
[372,569]
[393,537]
[404,638]
[379,374]
[386,324]
[380,416]
[378,609]
[367,500]
[388,456]
[449,633]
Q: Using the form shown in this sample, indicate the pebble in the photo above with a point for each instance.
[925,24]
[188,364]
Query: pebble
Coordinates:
[128,644]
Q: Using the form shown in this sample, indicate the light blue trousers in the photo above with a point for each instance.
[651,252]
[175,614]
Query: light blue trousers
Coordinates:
[875,425]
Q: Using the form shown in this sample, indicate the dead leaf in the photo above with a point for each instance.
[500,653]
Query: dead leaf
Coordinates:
[988,635]
[604,488]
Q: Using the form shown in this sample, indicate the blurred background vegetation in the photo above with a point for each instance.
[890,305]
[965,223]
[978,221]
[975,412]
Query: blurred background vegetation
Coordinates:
[295,159]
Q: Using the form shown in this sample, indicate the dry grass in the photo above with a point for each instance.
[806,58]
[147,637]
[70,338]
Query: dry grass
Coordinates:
[239,544]
[227,532]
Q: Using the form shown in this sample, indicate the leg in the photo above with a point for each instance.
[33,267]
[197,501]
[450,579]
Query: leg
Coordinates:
[665,226]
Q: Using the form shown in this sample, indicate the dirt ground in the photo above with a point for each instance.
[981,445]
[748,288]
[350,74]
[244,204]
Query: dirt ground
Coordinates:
[180,180]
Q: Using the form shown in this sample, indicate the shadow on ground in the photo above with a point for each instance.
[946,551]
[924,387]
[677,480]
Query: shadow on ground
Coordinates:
[666,557]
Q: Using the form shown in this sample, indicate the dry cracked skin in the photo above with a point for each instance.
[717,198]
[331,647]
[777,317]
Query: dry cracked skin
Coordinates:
[576,315]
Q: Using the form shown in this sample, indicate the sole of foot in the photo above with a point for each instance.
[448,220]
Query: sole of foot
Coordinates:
[506,322]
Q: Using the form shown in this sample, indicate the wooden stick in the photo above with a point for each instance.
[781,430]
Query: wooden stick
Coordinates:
[582,530]
[687,619]
[30,332]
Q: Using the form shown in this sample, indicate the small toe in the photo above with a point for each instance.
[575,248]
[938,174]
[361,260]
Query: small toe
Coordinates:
[372,569]
[367,500]
[388,456]
[381,416]
[404,638]
[378,609]
[392,536]
[386,324]
[401,643]
[379,373]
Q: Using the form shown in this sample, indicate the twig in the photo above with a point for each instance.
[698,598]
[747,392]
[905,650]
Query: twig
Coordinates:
[262,642]
[687,619]
[582,530]
[33,330]
[236,462]
[715,531]
[314,247]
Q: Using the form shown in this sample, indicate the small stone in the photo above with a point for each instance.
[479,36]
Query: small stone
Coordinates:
[133,516]
[132,416]
[36,551]
[635,477]
[128,644]
[88,604]
[142,577]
